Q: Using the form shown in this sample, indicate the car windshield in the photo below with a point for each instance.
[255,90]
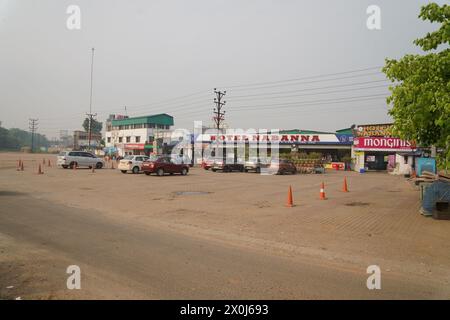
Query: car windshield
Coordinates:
[62,154]
[129,157]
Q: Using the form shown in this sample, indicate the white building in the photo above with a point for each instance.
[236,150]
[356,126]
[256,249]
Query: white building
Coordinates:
[138,135]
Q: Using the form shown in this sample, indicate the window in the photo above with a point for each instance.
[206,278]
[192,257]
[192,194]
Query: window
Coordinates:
[150,139]
[138,139]
[109,139]
[152,125]
[128,139]
[120,139]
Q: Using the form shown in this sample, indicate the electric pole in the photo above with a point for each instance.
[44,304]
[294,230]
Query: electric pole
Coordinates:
[219,116]
[33,127]
[90,114]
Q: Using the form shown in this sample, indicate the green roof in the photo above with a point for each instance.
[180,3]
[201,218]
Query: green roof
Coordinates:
[345,131]
[162,118]
[297,131]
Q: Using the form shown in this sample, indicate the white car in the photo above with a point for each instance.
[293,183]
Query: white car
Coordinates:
[70,159]
[132,163]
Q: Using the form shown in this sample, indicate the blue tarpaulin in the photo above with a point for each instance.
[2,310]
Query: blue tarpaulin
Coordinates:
[437,191]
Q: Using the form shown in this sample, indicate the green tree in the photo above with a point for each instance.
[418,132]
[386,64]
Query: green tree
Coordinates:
[420,95]
[96,126]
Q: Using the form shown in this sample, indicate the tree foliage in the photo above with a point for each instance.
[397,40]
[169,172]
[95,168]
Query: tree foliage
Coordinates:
[14,139]
[96,126]
[420,95]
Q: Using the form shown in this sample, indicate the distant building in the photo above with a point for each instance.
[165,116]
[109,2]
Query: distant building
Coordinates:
[138,135]
[81,140]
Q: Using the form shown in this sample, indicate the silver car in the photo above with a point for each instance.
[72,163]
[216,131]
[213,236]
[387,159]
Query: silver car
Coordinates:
[70,159]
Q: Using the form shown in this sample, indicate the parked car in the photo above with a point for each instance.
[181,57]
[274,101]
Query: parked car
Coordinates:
[207,164]
[70,159]
[132,163]
[282,167]
[255,164]
[227,166]
[164,164]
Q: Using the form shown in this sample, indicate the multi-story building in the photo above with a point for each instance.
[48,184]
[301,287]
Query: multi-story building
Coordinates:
[138,135]
[81,140]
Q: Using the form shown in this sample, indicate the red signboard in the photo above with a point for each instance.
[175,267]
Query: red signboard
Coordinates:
[383,143]
[135,146]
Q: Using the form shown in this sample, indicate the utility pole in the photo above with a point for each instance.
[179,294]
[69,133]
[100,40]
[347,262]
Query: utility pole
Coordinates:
[90,114]
[219,116]
[33,127]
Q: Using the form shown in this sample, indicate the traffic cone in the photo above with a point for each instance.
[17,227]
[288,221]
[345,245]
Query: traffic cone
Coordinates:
[40,170]
[93,169]
[21,166]
[290,202]
[344,187]
[49,163]
[322,192]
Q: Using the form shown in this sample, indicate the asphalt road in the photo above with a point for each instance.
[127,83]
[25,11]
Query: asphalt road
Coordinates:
[126,260]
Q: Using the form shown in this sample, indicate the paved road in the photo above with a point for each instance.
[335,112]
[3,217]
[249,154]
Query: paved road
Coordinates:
[132,261]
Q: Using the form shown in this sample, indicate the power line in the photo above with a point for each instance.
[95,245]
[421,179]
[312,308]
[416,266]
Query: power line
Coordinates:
[303,78]
[309,89]
[310,94]
[309,81]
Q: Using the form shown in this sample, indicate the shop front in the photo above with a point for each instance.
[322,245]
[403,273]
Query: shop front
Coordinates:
[382,154]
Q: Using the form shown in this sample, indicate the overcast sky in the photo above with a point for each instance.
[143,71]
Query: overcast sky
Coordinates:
[167,56]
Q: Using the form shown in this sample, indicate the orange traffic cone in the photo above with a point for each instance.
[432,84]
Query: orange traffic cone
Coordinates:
[290,202]
[49,163]
[344,187]
[322,192]
[40,170]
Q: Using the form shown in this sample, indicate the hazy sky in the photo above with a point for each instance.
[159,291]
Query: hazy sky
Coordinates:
[150,54]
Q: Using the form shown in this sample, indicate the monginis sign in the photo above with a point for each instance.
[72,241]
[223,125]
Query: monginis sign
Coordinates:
[382,143]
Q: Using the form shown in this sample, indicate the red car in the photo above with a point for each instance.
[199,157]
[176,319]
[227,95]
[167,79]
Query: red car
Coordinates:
[207,164]
[164,164]
[282,167]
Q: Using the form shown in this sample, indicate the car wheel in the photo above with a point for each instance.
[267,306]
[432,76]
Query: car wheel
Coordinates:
[72,165]
[242,170]
[160,172]
[258,170]
[213,170]
[99,165]
[147,173]
[123,171]
[184,172]
[281,172]
[135,170]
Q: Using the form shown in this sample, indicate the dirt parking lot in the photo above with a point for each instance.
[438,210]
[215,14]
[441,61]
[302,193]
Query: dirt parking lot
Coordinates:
[376,223]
